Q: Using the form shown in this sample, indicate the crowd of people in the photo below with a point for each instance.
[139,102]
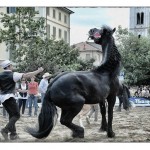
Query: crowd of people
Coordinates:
[142,91]
[27,94]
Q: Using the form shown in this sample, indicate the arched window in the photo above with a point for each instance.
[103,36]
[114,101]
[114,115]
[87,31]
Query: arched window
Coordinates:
[142,18]
[138,18]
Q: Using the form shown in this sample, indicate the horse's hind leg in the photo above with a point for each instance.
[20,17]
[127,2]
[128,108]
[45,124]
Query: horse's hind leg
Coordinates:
[120,103]
[103,113]
[66,119]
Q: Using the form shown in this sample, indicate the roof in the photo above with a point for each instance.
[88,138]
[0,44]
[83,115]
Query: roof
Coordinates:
[66,10]
[88,46]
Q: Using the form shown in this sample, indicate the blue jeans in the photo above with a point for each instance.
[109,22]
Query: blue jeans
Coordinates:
[42,97]
[33,100]
[27,103]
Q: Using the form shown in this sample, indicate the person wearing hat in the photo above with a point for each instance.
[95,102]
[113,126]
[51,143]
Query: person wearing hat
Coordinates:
[8,80]
[43,85]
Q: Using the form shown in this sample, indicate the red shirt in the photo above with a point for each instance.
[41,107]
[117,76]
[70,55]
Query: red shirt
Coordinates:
[33,88]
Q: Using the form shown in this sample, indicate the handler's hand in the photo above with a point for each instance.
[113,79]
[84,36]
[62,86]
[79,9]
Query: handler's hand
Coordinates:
[40,69]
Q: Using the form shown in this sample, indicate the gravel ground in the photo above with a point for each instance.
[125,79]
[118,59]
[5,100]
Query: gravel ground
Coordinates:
[132,127]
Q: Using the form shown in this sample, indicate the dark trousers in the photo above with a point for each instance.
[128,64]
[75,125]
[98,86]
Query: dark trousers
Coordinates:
[22,102]
[13,110]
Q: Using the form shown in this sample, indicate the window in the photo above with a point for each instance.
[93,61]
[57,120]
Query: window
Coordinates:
[60,33]
[142,18]
[59,16]
[65,19]
[47,11]
[87,57]
[54,32]
[65,36]
[54,13]
[11,10]
[48,31]
[138,18]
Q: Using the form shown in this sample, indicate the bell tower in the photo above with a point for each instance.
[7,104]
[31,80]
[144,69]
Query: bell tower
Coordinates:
[140,21]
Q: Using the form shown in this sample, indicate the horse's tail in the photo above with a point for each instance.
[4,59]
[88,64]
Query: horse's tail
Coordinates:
[46,118]
[125,97]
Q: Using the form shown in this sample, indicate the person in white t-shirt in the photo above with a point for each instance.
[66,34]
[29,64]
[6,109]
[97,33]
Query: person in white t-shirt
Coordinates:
[8,80]
[43,85]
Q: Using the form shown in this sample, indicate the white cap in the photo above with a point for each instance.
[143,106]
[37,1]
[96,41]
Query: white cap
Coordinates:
[5,63]
[46,75]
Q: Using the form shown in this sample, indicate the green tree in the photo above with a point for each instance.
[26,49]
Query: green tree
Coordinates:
[135,53]
[20,30]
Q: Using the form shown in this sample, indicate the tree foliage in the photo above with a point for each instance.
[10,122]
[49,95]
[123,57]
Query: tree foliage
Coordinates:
[135,53]
[25,38]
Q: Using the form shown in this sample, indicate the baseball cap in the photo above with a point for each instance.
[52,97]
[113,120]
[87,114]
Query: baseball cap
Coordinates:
[5,63]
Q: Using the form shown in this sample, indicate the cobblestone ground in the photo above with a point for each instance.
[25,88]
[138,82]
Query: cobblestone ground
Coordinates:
[132,127]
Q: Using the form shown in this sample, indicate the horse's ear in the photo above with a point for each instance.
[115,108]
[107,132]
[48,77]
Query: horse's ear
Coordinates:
[114,30]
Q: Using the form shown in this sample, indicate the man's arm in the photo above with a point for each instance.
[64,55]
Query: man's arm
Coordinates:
[31,74]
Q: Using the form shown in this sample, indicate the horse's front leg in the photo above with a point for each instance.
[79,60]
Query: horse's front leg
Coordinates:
[111,102]
[103,113]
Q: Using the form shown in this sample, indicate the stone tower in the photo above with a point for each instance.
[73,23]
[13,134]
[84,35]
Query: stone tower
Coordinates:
[140,21]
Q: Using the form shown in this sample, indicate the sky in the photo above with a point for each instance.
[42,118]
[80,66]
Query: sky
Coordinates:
[85,18]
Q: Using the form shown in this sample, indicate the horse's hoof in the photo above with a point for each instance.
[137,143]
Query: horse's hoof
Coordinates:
[111,134]
[75,135]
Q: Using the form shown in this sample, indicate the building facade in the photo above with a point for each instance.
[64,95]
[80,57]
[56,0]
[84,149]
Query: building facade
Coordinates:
[57,22]
[90,50]
[140,21]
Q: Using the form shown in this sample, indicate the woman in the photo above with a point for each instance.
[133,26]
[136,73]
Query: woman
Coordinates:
[23,95]
[33,93]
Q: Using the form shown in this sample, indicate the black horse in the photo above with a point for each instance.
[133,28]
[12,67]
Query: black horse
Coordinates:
[71,90]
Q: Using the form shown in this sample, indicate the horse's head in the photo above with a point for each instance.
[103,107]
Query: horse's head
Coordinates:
[98,35]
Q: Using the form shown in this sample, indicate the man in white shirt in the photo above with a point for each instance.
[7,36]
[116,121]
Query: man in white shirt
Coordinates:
[8,80]
[43,85]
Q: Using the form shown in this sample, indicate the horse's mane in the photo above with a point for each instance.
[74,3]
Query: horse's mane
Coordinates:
[114,62]
[105,27]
